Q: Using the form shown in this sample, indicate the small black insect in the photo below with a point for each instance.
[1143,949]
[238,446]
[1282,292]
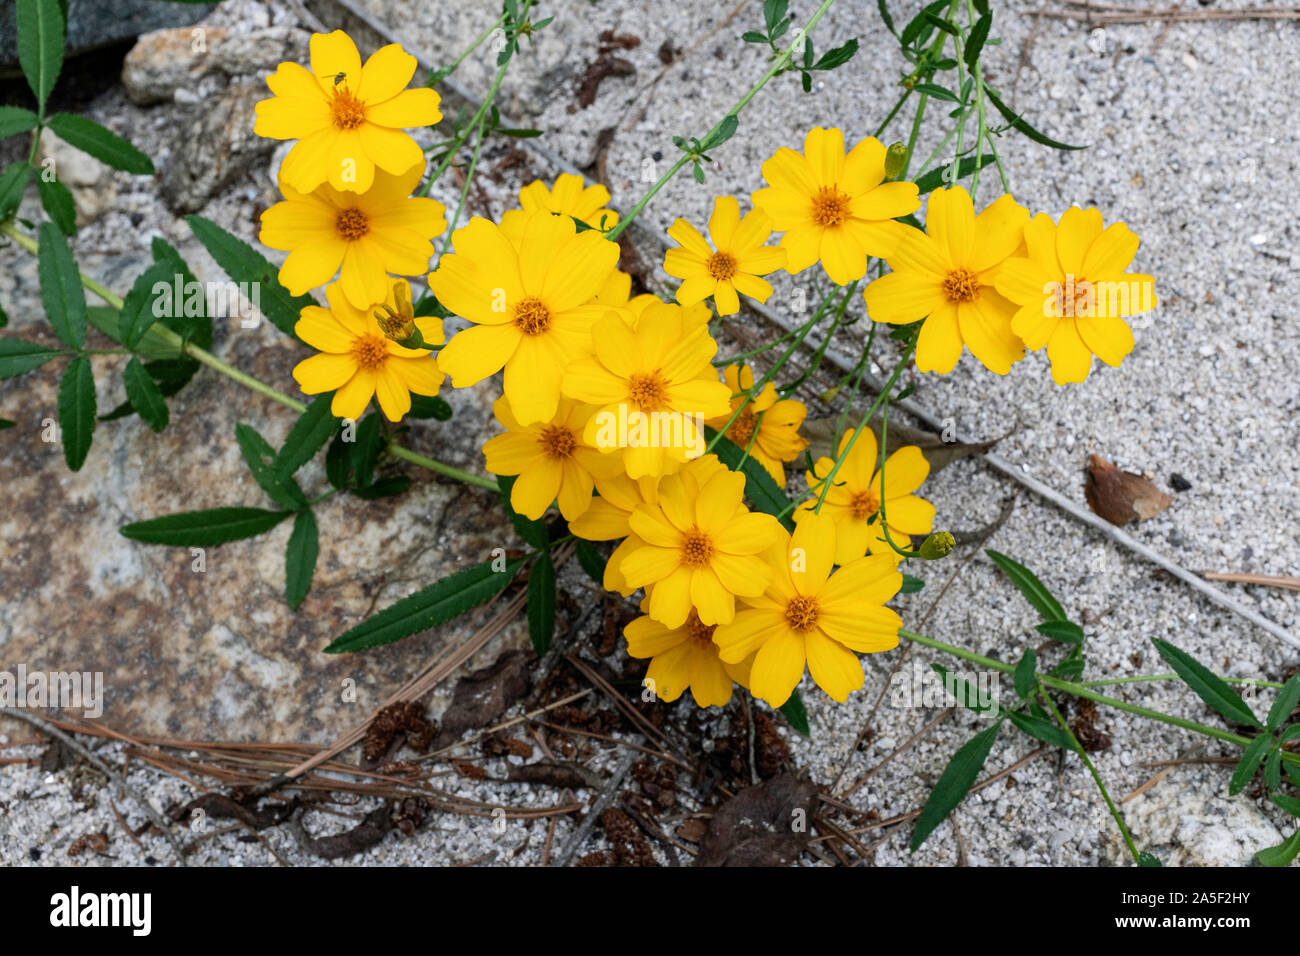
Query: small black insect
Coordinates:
[339,78]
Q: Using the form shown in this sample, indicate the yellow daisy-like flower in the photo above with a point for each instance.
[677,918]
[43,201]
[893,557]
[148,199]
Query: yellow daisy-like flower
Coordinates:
[731,265]
[684,657]
[607,518]
[777,420]
[691,317]
[347,118]
[946,276]
[550,458]
[570,196]
[531,307]
[834,207]
[853,501]
[1073,293]
[361,236]
[360,361]
[809,615]
[701,547]
[647,382]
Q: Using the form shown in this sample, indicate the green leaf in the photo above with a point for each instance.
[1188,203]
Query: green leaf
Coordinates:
[940,23]
[300,558]
[145,396]
[759,486]
[726,129]
[429,406]
[139,307]
[364,454]
[14,120]
[1209,687]
[937,92]
[428,607]
[532,531]
[1249,763]
[1021,126]
[1029,585]
[966,694]
[6,423]
[1273,769]
[312,430]
[1066,632]
[957,779]
[975,41]
[541,603]
[911,584]
[888,20]
[794,712]
[58,204]
[260,457]
[245,264]
[106,146]
[383,488]
[205,528]
[1285,702]
[338,462]
[191,321]
[774,12]
[4,319]
[18,356]
[1148,859]
[77,411]
[1290,804]
[1044,730]
[1026,674]
[1072,667]
[1282,854]
[591,561]
[929,182]
[40,45]
[837,57]
[753,36]
[61,294]
[13,181]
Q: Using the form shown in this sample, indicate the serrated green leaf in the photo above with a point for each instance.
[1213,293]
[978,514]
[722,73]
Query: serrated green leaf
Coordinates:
[759,486]
[837,56]
[1019,124]
[937,92]
[1273,769]
[1207,686]
[144,395]
[138,309]
[105,145]
[57,202]
[311,431]
[18,356]
[243,263]
[1250,760]
[338,462]
[591,561]
[1285,702]
[14,120]
[541,603]
[61,294]
[13,181]
[1067,632]
[77,411]
[1282,854]
[975,40]
[1029,585]
[260,458]
[428,607]
[940,23]
[206,528]
[191,321]
[957,779]
[40,45]
[796,714]
[300,558]
[1026,674]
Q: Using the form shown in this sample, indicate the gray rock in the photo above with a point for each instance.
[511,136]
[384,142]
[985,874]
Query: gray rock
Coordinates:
[94,24]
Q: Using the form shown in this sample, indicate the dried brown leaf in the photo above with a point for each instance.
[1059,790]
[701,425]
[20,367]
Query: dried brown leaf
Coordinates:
[1121,496]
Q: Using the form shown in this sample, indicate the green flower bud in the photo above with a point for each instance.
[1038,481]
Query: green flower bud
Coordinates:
[895,159]
[938,545]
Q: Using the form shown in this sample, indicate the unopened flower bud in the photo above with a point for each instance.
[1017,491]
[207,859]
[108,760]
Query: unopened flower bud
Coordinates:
[398,321]
[828,396]
[895,159]
[938,545]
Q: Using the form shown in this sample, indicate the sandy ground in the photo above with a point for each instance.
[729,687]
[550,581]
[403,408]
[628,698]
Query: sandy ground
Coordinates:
[1187,151]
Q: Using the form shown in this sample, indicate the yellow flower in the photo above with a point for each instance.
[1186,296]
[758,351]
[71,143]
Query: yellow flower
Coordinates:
[740,257]
[853,501]
[690,317]
[833,207]
[809,615]
[367,235]
[778,421]
[550,458]
[647,383]
[358,360]
[531,307]
[617,497]
[571,196]
[346,117]
[682,657]
[701,547]
[1073,293]
[946,276]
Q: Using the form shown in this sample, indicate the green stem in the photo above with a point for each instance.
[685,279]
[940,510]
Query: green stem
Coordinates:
[777,66]
[455,64]
[401,451]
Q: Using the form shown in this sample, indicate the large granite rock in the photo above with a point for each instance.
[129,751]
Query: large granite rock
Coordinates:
[93,23]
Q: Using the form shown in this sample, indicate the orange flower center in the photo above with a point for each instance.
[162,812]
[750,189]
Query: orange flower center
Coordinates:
[830,207]
[557,441]
[347,111]
[961,285]
[863,504]
[699,633]
[801,612]
[532,317]
[742,430]
[697,548]
[370,351]
[648,391]
[722,265]
[352,224]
